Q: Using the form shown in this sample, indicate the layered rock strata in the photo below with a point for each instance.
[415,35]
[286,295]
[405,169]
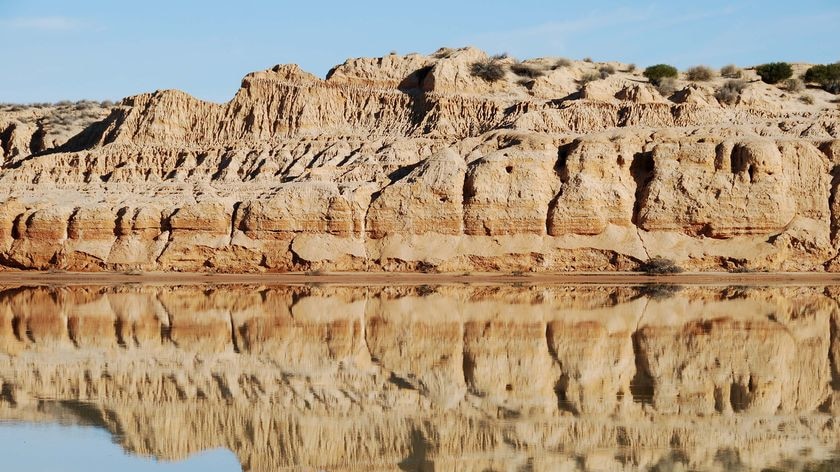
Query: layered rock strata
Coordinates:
[407,163]
[429,378]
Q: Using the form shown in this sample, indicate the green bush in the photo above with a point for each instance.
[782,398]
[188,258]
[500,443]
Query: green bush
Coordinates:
[491,71]
[774,72]
[659,72]
[700,74]
[826,76]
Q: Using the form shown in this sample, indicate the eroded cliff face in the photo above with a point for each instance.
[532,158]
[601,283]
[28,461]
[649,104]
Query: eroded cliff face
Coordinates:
[434,378]
[406,163]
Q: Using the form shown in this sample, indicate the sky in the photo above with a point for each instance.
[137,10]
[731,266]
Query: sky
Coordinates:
[54,50]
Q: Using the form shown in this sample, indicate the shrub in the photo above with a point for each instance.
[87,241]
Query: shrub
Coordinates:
[806,99]
[606,71]
[826,76]
[443,53]
[589,77]
[500,56]
[527,70]
[491,71]
[731,90]
[659,72]
[631,68]
[660,265]
[793,85]
[525,82]
[425,290]
[659,291]
[427,267]
[667,86]
[731,71]
[587,59]
[700,74]
[561,63]
[822,73]
[774,72]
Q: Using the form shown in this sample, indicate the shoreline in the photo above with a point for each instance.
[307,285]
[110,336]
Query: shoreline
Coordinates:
[405,278]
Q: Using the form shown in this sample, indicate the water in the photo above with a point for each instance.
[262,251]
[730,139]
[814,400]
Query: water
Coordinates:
[419,377]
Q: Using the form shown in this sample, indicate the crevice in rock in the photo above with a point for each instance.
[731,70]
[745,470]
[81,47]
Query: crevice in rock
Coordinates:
[165,228]
[37,143]
[234,223]
[6,140]
[834,194]
[642,171]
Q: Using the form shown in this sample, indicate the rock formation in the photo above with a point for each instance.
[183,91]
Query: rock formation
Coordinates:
[434,377]
[406,163]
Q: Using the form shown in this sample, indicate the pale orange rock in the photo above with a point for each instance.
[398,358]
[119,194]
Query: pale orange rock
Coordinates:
[427,200]
[401,161]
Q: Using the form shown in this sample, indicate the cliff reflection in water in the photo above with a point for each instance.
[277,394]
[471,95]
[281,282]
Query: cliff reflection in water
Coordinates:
[451,377]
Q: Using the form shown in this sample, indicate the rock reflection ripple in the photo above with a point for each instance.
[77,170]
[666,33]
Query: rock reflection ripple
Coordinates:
[449,377]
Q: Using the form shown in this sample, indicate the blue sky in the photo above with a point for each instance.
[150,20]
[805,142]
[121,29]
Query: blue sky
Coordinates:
[105,49]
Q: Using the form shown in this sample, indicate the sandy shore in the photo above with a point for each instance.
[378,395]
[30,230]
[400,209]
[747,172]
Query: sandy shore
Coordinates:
[380,278]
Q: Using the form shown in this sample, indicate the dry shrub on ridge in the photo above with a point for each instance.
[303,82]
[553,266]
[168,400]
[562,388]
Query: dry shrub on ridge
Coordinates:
[667,86]
[793,85]
[700,74]
[730,91]
[606,70]
[527,70]
[489,70]
[731,71]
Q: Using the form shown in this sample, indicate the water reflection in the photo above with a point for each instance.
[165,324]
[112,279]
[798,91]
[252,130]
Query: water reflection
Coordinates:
[452,377]
[72,448]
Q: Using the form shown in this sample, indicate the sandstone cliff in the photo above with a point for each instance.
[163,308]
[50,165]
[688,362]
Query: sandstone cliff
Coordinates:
[406,163]
[434,378]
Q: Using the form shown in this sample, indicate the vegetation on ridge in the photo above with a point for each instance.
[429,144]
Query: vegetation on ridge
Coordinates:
[490,70]
[700,74]
[827,76]
[657,73]
[774,72]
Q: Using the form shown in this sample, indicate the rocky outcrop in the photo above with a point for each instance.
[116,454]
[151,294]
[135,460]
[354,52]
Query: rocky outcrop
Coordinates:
[415,377]
[407,162]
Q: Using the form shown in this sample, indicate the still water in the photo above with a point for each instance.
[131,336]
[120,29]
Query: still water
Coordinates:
[419,378]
